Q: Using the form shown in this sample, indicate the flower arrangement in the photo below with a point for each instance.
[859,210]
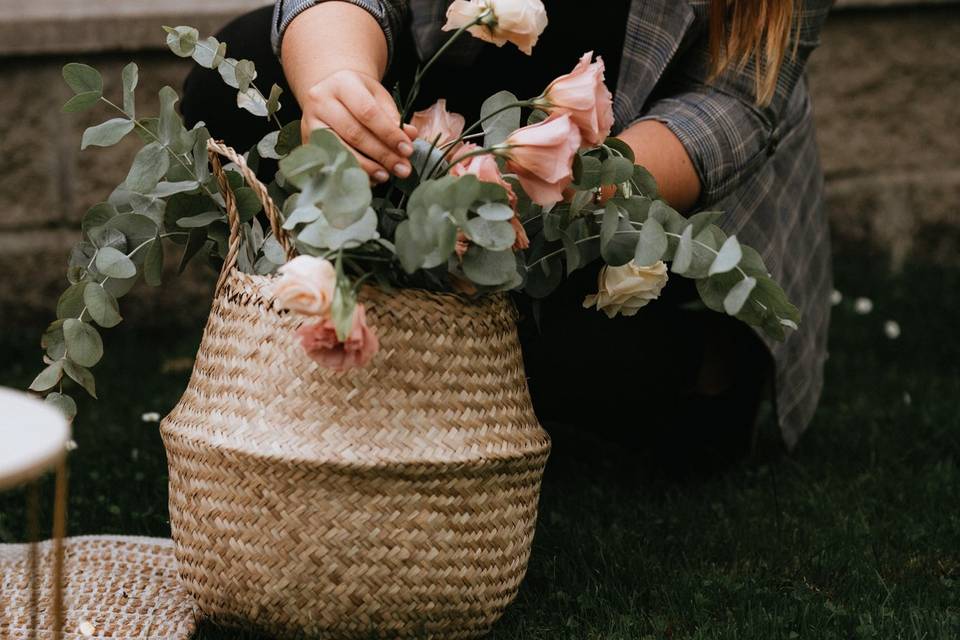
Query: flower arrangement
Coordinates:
[498,205]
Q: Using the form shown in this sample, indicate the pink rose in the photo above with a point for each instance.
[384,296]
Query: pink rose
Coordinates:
[485,168]
[306,285]
[583,94]
[437,121]
[541,155]
[320,341]
[518,21]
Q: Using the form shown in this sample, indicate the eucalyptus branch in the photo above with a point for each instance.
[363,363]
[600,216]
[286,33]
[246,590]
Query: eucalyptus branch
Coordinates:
[166,148]
[273,116]
[129,255]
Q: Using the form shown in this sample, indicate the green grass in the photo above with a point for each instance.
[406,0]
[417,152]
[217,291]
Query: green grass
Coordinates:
[854,535]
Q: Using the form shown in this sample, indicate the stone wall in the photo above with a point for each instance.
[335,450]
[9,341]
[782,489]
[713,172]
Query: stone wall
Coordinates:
[886,84]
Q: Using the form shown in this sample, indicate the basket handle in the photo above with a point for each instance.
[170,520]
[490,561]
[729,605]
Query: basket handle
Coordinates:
[215,150]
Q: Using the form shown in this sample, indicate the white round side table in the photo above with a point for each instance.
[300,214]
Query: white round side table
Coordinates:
[33,442]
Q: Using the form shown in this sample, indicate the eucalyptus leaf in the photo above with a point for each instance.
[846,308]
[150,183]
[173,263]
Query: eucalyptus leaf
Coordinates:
[498,127]
[289,138]
[130,77]
[495,211]
[106,134]
[587,172]
[49,377]
[616,170]
[652,243]
[52,340]
[84,346]
[62,403]
[490,234]
[97,216]
[738,295]
[622,148]
[248,203]
[70,304]
[273,100]
[108,237]
[245,73]
[489,268]
[81,375]
[101,305]
[343,307]
[170,129]
[346,197]
[81,102]
[267,147]
[182,40]
[302,215]
[153,264]
[114,264]
[684,255]
[251,100]
[83,78]
[137,228]
[321,235]
[727,258]
[200,220]
[149,167]
[302,162]
[209,52]
[644,181]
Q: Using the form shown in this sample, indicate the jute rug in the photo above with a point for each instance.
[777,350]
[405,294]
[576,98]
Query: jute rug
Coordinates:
[117,588]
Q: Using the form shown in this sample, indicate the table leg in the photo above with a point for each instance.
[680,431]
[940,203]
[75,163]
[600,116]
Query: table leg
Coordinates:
[33,532]
[59,532]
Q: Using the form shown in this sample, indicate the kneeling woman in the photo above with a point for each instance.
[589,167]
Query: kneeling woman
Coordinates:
[711,96]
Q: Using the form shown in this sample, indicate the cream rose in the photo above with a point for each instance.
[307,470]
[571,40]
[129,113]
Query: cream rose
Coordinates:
[625,290]
[306,285]
[518,21]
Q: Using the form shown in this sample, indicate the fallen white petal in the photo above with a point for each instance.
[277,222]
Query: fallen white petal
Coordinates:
[892,329]
[87,629]
[907,398]
[151,416]
[71,445]
[836,297]
[863,306]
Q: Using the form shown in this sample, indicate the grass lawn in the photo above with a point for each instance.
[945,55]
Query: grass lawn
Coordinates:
[854,535]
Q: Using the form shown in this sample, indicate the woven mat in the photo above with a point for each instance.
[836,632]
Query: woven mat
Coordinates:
[121,588]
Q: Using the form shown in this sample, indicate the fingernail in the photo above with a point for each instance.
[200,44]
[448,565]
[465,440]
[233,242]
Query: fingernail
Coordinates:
[405,148]
[401,169]
[381,176]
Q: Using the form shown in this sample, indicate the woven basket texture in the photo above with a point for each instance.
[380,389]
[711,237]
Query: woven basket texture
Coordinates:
[394,501]
[126,588]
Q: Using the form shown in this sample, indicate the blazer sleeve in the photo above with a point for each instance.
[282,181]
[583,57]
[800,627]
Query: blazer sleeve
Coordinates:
[389,14]
[720,124]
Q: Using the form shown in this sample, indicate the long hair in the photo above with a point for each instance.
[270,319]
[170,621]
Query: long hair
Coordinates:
[745,31]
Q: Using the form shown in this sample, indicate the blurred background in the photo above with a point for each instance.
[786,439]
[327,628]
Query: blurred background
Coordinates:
[853,535]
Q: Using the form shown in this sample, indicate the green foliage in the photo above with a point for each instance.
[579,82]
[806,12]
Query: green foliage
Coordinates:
[500,117]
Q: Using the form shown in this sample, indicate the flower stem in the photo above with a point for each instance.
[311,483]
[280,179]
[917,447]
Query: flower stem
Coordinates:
[422,72]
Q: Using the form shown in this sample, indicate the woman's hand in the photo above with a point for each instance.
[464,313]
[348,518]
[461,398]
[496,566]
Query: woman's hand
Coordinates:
[333,56]
[357,108]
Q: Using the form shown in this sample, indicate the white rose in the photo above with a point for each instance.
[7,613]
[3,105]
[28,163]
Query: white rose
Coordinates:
[625,290]
[518,21]
[306,285]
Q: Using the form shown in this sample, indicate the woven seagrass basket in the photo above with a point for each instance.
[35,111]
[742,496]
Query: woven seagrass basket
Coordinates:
[394,501]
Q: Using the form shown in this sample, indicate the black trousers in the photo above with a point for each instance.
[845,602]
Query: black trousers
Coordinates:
[630,379]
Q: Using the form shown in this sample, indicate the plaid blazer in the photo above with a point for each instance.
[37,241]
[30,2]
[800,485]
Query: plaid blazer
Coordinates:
[759,164]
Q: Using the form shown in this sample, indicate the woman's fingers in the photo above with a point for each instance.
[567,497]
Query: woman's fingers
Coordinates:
[377,111]
[358,136]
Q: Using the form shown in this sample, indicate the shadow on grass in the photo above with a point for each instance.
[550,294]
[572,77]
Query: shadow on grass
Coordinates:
[856,534]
